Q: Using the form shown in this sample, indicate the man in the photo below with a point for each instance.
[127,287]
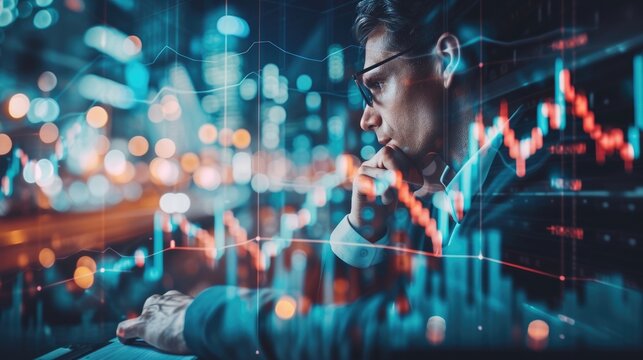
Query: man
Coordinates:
[405,83]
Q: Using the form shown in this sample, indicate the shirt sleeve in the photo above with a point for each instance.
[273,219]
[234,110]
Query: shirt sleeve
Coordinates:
[354,249]
[227,322]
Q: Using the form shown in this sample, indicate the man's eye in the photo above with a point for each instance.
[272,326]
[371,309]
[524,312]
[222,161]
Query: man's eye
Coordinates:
[375,85]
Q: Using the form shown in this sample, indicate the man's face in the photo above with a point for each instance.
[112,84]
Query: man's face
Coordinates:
[407,104]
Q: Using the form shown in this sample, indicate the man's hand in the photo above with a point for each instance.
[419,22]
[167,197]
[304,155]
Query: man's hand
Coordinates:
[161,322]
[373,200]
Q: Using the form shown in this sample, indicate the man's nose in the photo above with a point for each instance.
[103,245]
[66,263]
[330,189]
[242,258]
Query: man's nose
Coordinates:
[370,120]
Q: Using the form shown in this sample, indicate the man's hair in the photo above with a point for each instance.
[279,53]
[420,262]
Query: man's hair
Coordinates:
[409,23]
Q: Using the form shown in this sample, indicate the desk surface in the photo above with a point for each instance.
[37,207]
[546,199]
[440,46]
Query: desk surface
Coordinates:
[114,349]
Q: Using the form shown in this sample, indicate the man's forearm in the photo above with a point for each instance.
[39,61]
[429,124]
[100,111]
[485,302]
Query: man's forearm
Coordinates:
[230,322]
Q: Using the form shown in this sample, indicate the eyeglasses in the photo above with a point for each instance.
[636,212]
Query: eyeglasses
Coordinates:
[358,77]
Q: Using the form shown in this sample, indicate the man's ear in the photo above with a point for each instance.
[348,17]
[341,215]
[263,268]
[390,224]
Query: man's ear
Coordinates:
[448,51]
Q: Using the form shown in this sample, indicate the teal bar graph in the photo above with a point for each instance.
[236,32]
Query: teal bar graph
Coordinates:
[560,94]
[638,91]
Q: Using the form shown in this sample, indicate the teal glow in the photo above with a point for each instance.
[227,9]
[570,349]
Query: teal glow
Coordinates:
[233,25]
[8,4]
[98,185]
[60,202]
[304,82]
[137,77]
[638,91]
[301,142]
[45,170]
[43,110]
[367,152]
[368,137]
[42,19]
[248,89]
[29,172]
[110,42]
[313,122]
[633,138]
[155,272]
[337,195]
[560,95]
[335,63]
[313,100]
[78,192]
[543,122]
[354,96]
[277,114]
[270,81]
[107,91]
[6,17]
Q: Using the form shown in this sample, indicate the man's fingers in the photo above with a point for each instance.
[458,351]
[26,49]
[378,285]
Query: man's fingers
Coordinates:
[151,300]
[371,171]
[365,185]
[394,159]
[130,329]
[388,197]
[376,182]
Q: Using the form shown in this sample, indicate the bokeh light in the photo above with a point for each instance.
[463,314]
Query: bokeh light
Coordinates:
[208,134]
[165,148]
[46,257]
[174,203]
[164,171]
[241,139]
[132,45]
[98,185]
[248,89]
[47,81]
[242,167]
[313,100]
[102,145]
[189,162]
[6,17]
[170,108]
[53,187]
[260,183]
[435,330]
[43,110]
[44,172]
[537,335]
[97,117]
[84,277]
[5,144]
[29,172]
[139,257]
[78,192]
[115,162]
[304,82]
[127,175]
[207,177]
[538,330]
[155,113]
[285,307]
[18,106]
[138,146]
[277,114]
[225,137]
[42,19]
[48,133]
[87,262]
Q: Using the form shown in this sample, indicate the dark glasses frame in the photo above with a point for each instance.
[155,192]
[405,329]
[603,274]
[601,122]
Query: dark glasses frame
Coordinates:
[358,76]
